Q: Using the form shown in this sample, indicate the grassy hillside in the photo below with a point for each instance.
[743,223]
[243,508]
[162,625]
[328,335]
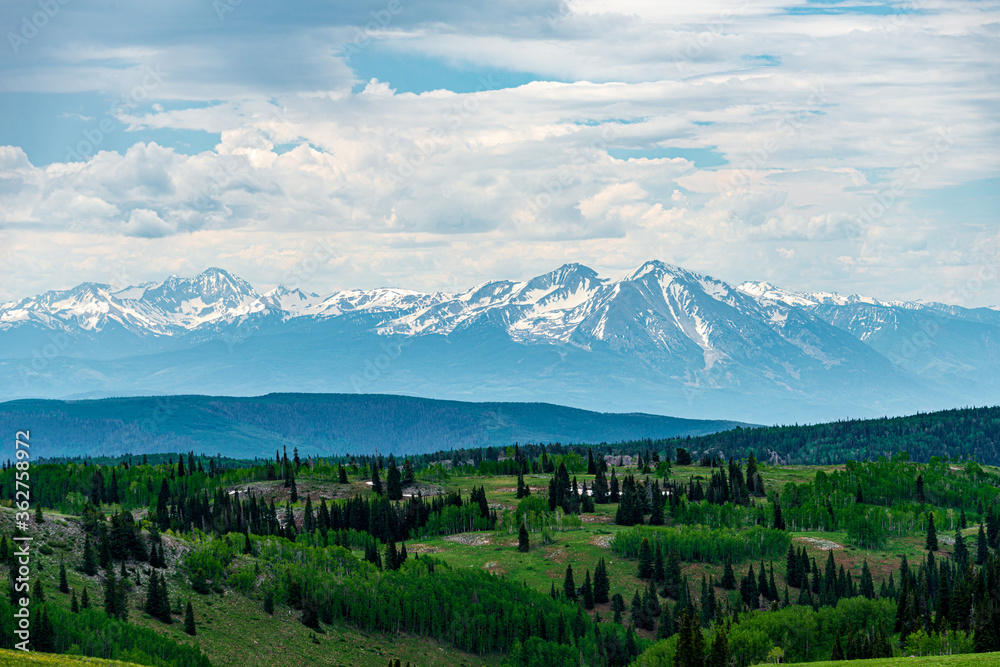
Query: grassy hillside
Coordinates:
[970,660]
[13,658]
[323,424]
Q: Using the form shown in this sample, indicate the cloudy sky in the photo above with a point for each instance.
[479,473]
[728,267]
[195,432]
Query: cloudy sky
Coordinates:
[836,145]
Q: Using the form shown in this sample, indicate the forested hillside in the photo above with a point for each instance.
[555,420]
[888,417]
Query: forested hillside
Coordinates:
[970,433]
[522,557]
[323,424]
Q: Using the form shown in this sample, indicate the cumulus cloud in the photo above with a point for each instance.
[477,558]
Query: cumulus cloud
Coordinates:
[828,128]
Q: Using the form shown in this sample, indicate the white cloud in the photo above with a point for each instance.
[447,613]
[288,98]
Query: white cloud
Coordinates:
[815,116]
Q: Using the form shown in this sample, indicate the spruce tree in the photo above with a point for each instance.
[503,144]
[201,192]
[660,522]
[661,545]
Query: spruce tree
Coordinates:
[74,606]
[152,606]
[569,588]
[729,577]
[63,584]
[719,655]
[85,599]
[588,592]
[38,591]
[961,553]
[44,639]
[189,620]
[602,586]
[982,547]
[523,544]
[645,559]
[931,544]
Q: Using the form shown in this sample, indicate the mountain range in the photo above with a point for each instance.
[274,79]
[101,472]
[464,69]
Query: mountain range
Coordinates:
[660,339]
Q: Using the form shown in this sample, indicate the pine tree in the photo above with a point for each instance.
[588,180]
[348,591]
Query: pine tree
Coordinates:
[602,586]
[719,656]
[659,567]
[110,592]
[645,559]
[982,547]
[588,592]
[63,584]
[569,588]
[37,591]
[74,606]
[523,544]
[341,475]
[85,599]
[960,554]
[932,542]
[44,640]
[153,604]
[867,588]
[189,620]
[729,577]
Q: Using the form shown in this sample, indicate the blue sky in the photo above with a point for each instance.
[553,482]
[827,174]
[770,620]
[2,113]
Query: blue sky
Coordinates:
[834,145]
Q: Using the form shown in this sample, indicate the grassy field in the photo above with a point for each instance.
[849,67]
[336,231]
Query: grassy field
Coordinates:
[970,660]
[21,658]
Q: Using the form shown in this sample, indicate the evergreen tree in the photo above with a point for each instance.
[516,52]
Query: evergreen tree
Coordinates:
[84,599]
[645,559]
[569,588]
[602,586]
[44,638]
[110,592]
[588,592]
[522,490]
[931,543]
[74,606]
[729,577]
[982,547]
[189,620]
[719,655]
[37,591]
[867,588]
[960,554]
[63,584]
[341,475]
[523,545]
[393,481]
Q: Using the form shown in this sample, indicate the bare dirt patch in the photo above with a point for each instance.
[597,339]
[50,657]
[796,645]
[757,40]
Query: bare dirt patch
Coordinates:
[471,540]
[601,540]
[595,518]
[825,545]
[422,549]
[556,554]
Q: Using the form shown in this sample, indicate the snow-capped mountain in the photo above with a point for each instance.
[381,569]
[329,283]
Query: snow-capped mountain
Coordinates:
[660,339]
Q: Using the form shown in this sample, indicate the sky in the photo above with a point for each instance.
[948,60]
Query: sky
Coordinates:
[834,145]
